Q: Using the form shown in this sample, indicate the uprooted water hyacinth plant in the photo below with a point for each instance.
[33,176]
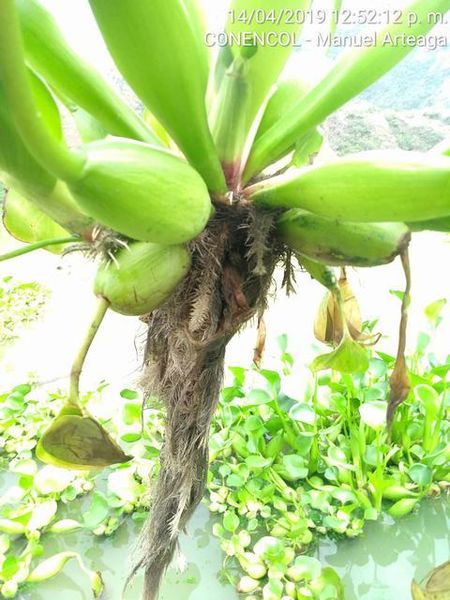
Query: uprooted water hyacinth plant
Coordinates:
[191,209]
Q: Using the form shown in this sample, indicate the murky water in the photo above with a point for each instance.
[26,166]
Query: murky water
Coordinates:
[377,566]
[381,564]
[111,556]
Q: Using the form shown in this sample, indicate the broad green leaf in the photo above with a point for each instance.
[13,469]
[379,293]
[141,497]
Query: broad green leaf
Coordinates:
[421,474]
[253,423]
[257,462]
[230,521]
[307,147]
[428,396]
[295,466]
[304,568]
[131,438]
[273,590]
[78,443]
[269,548]
[256,398]
[52,480]
[433,311]
[303,413]
[98,511]
[373,414]
[266,62]
[27,223]
[123,484]
[349,357]
[132,413]
[9,567]
[129,394]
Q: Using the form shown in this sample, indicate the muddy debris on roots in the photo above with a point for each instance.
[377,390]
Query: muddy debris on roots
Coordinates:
[232,269]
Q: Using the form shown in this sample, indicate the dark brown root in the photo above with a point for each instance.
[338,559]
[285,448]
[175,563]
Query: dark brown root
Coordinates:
[233,264]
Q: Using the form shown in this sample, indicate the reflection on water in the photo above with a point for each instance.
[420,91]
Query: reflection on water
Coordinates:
[381,564]
[112,556]
[377,566]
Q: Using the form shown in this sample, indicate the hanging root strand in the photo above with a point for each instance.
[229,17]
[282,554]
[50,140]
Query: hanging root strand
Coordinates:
[232,267]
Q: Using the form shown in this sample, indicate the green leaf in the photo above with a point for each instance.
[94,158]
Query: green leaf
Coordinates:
[124,485]
[23,389]
[77,442]
[253,423]
[235,480]
[303,413]
[257,462]
[129,394]
[304,568]
[230,521]
[132,413]
[428,396]
[269,548]
[10,567]
[130,438]
[272,377]
[282,341]
[421,474]
[423,341]
[52,480]
[307,147]
[257,398]
[373,414]
[349,357]
[433,311]
[329,585]
[98,511]
[397,293]
[295,466]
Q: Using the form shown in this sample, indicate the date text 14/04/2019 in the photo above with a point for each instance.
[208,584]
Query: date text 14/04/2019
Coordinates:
[273,39]
[320,16]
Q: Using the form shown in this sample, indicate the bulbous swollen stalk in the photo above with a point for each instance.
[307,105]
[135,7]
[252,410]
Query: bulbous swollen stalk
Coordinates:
[365,187]
[141,277]
[143,192]
[339,243]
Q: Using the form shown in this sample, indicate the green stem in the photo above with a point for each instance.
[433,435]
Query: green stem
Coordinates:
[38,246]
[77,366]
[52,155]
